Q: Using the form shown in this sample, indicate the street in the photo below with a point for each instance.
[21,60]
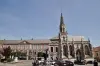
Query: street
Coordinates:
[29,63]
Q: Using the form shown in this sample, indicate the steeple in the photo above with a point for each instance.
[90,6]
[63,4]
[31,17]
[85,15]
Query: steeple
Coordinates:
[62,25]
[61,19]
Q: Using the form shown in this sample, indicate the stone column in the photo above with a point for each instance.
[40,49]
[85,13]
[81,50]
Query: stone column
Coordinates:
[68,52]
[27,54]
[84,51]
[58,53]
[49,53]
[35,55]
[75,50]
[62,51]
[32,54]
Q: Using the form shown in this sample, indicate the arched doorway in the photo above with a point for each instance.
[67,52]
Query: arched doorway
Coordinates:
[64,49]
[71,51]
[78,55]
[87,50]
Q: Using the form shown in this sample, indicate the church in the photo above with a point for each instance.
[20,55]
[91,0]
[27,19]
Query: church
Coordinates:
[62,46]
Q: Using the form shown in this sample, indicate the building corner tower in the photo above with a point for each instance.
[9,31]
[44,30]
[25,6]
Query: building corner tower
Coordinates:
[62,38]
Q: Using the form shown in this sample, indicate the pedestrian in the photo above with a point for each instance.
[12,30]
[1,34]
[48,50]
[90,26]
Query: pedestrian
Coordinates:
[34,64]
[95,63]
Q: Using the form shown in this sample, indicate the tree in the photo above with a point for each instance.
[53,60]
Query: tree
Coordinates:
[6,52]
[40,54]
[45,56]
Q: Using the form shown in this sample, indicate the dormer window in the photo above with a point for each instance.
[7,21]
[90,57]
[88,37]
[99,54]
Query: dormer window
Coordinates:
[24,42]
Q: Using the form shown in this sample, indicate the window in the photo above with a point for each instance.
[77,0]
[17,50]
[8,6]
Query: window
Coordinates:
[96,54]
[64,38]
[87,52]
[56,49]
[51,49]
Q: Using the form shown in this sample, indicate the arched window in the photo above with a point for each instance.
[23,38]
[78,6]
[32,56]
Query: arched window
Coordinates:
[56,49]
[51,49]
[51,58]
[70,49]
[73,52]
[64,49]
[64,38]
[86,50]
[90,48]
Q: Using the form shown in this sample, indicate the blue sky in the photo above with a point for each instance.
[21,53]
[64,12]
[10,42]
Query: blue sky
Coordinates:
[39,19]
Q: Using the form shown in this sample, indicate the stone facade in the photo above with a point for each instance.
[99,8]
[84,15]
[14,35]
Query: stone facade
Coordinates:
[96,53]
[63,46]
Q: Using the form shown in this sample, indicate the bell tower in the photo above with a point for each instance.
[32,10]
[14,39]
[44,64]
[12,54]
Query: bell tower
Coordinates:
[62,38]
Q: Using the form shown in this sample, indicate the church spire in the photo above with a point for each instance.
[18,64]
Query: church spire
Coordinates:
[62,25]
[61,19]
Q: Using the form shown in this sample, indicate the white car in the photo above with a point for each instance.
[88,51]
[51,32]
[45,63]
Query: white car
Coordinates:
[52,62]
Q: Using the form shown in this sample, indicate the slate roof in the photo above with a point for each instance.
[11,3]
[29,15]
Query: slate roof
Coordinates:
[35,41]
[45,41]
[75,38]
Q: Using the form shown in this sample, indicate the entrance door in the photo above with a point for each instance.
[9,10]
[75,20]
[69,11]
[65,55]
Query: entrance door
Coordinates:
[78,55]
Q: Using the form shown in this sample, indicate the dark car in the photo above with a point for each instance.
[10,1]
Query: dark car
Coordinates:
[79,62]
[63,63]
[90,62]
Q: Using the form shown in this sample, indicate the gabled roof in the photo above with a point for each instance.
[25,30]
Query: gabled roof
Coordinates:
[75,38]
[24,42]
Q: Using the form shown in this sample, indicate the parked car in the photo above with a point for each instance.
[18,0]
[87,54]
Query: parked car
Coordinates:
[79,62]
[89,62]
[52,62]
[63,63]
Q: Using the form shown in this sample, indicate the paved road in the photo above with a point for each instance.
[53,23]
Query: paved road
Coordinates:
[29,63]
[87,65]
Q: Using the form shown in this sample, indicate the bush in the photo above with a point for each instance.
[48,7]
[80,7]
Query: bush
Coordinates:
[9,60]
[2,60]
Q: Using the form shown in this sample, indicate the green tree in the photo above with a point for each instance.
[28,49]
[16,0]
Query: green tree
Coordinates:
[40,54]
[6,52]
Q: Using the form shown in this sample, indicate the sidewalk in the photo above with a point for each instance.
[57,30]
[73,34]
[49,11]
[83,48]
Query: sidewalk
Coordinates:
[20,63]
